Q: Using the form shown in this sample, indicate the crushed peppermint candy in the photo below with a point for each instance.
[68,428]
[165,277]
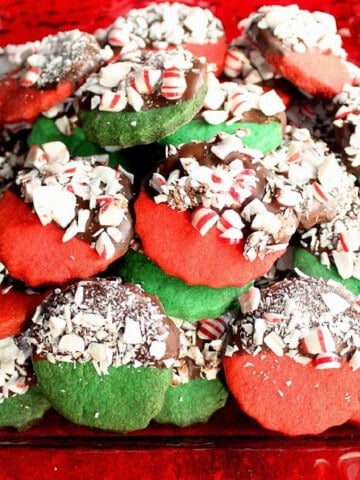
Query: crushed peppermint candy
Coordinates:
[318,174]
[163,25]
[149,80]
[226,186]
[202,345]
[233,102]
[244,61]
[347,123]
[16,374]
[316,115]
[300,30]
[105,322]
[66,56]
[82,195]
[307,319]
[12,157]
[337,243]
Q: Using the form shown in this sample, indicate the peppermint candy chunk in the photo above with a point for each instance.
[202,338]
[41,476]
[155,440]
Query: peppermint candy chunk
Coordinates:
[203,219]
[30,77]
[231,236]
[327,360]
[173,83]
[235,60]
[145,80]
[212,329]
[113,101]
[319,340]
[229,219]
[250,300]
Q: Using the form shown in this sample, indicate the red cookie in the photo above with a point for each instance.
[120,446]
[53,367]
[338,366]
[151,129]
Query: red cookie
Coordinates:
[50,72]
[202,218]
[301,46]
[17,307]
[169,25]
[292,362]
[79,221]
[294,399]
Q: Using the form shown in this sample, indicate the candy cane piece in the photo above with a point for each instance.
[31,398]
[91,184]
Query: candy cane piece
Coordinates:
[203,219]
[173,84]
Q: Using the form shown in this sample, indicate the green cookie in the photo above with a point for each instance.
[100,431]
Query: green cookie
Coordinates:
[124,400]
[22,411]
[45,130]
[192,402]
[310,265]
[263,136]
[180,300]
[126,129]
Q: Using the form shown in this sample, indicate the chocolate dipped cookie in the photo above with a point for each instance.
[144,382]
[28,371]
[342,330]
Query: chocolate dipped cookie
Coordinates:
[102,353]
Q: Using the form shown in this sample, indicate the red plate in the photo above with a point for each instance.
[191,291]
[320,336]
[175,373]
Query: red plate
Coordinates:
[231,446]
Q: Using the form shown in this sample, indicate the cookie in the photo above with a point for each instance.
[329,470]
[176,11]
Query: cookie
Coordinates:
[346,123]
[332,250]
[202,216]
[47,74]
[21,401]
[302,46]
[318,174]
[291,362]
[140,101]
[67,215]
[102,352]
[17,303]
[230,107]
[164,25]
[197,391]
[180,300]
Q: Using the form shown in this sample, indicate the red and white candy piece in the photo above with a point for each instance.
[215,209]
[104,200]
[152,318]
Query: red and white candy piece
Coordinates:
[173,83]
[117,37]
[273,318]
[203,219]
[30,77]
[145,80]
[250,300]
[231,236]
[104,246]
[157,181]
[229,219]
[235,60]
[327,360]
[318,340]
[212,329]
[113,101]
[319,193]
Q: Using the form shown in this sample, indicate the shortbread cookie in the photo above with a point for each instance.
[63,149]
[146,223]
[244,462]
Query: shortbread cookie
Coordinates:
[297,339]
[180,300]
[347,126]
[208,216]
[332,250]
[327,189]
[138,102]
[47,74]
[302,46]
[21,401]
[164,25]
[66,217]
[102,353]
[197,391]
[230,107]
